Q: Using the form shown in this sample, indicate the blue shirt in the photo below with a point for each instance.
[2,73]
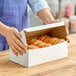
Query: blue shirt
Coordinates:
[37,5]
[13,13]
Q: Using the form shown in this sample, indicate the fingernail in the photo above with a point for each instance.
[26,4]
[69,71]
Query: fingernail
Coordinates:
[24,51]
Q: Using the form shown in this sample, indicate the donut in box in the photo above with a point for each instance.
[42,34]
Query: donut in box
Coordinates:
[50,40]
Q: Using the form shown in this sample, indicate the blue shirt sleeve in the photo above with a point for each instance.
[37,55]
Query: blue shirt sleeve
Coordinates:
[37,5]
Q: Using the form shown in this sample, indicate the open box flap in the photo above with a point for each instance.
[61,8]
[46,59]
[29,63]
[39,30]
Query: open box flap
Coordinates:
[57,24]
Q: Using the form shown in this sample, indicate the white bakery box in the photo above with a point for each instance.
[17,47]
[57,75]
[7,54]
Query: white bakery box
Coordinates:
[42,55]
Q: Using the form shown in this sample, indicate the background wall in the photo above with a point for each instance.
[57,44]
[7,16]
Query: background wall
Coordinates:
[53,4]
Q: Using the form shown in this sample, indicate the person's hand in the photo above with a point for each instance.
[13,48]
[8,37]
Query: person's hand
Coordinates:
[45,16]
[13,38]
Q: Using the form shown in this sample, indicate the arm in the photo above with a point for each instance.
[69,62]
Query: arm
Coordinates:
[41,9]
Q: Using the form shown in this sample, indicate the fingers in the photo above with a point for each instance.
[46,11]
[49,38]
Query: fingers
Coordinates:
[67,35]
[19,49]
[20,44]
[14,51]
[67,32]
[49,21]
[67,38]
[17,34]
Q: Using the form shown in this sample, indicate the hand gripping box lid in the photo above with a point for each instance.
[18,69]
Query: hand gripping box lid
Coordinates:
[42,55]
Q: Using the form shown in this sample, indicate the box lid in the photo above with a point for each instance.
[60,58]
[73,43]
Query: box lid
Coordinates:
[31,29]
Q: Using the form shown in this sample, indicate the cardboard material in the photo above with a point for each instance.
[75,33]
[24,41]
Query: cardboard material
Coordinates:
[42,55]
